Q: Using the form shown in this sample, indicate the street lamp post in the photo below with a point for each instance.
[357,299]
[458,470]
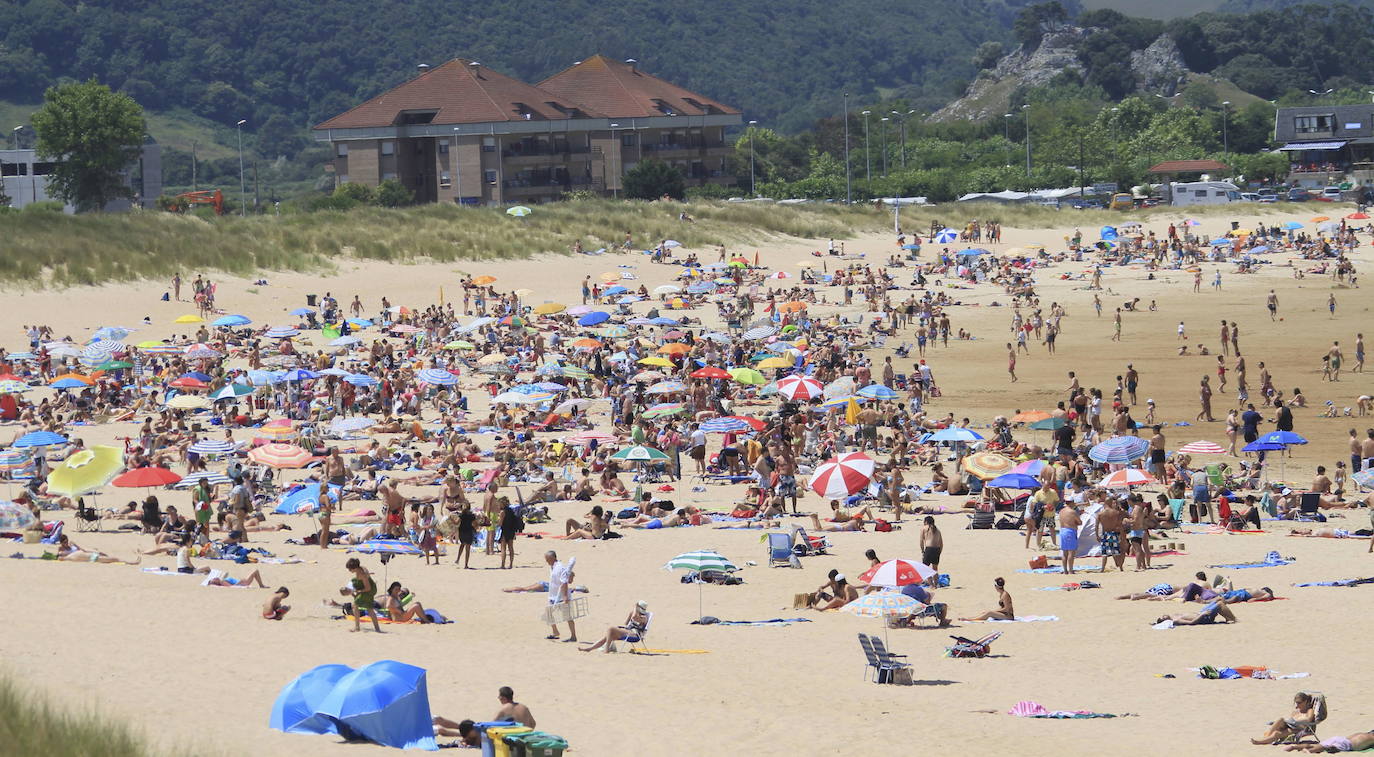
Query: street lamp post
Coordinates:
[884,121]
[1026,109]
[1115,112]
[243,184]
[1006,134]
[457,169]
[752,124]
[868,163]
[1225,135]
[848,190]
[615,190]
[901,119]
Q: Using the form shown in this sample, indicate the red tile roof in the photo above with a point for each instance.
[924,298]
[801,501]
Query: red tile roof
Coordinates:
[1188,166]
[462,94]
[620,90]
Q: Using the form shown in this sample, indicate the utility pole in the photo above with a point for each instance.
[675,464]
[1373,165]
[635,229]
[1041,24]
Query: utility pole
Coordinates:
[256,197]
[1225,136]
[1080,165]
[868,164]
[1006,134]
[243,185]
[883,121]
[1026,109]
[901,118]
[752,124]
[848,191]
[195,181]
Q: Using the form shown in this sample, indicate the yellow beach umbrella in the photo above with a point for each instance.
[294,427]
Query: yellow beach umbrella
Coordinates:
[662,362]
[610,276]
[775,362]
[987,465]
[188,402]
[851,411]
[86,471]
[549,308]
[188,318]
[491,359]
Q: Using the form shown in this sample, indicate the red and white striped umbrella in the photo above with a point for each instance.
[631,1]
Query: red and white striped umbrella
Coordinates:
[842,476]
[277,455]
[1202,448]
[897,573]
[583,438]
[800,388]
[1127,477]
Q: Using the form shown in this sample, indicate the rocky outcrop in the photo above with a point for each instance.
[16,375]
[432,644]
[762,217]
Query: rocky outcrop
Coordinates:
[1159,68]
[988,95]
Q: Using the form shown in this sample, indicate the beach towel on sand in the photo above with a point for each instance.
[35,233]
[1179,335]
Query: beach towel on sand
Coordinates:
[1024,619]
[1271,560]
[708,621]
[1029,709]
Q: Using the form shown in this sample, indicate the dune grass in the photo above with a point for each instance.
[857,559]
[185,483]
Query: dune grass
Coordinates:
[31,725]
[50,250]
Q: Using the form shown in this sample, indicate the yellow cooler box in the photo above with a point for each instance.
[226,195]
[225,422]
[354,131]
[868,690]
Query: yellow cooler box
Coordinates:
[494,741]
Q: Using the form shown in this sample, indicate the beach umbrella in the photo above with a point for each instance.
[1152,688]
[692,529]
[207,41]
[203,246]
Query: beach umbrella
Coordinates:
[301,312]
[15,461]
[87,470]
[724,425]
[68,382]
[8,386]
[1364,478]
[549,308]
[161,349]
[1259,446]
[664,409]
[460,344]
[883,605]
[300,374]
[437,377]
[709,372]
[188,402]
[747,376]
[1319,219]
[280,455]
[519,211]
[667,387]
[483,280]
[898,572]
[188,382]
[231,320]
[114,365]
[1049,424]
[986,465]
[211,447]
[40,439]
[1119,450]
[145,478]
[661,362]
[306,499]
[279,430]
[640,453]
[612,291]
[877,392]
[615,332]
[15,517]
[281,332]
[111,333]
[760,332]
[800,388]
[1030,467]
[671,243]
[1014,481]
[667,289]
[1202,448]
[843,475]
[265,378]
[583,438]
[566,407]
[231,391]
[955,434]
[675,348]
[294,709]
[946,236]
[1290,225]
[1030,416]
[211,478]
[1127,477]
[593,318]
[188,318]
[840,387]
[361,379]
[514,321]
[1281,437]
[574,372]
[646,376]
[775,362]
[386,702]
[382,546]
[352,424]
[202,352]
[696,562]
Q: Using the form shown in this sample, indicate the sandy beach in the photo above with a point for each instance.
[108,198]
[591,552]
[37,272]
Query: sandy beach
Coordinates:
[197,668]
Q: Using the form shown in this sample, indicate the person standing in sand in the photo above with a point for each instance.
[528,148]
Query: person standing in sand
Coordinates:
[932,545]
[1272,302]
[1110,530]
[1205,400]
[1116,326]
[1011,362]
[1069,521]
[1334,358]
[364,594]
[1140,535]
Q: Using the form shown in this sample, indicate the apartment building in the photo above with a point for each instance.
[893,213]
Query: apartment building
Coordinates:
[464,133]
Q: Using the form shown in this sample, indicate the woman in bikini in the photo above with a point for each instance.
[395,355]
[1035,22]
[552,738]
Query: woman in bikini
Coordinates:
[636,624]
[396,609]
[1004,609]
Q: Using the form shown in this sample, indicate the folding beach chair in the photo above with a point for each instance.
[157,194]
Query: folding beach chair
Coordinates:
[1309,506]
[809,545]
[970,648]
[1309,730]
[887,664]
[779,549]
[87,519]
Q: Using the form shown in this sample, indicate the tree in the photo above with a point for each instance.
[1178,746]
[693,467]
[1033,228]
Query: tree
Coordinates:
[92,135]
[4,198]
[392,194]
[652,178]
[1033,21]
[987,55]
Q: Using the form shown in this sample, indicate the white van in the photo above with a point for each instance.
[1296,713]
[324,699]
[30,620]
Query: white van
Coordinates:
[1204,192]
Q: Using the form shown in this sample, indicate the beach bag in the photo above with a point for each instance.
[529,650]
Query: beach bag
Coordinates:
[882,525]
[1008,523]
[743,512]
[1039,561]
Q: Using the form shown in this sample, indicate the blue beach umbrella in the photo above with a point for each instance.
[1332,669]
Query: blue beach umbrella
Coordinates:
[1015,481]
[877,392]
[1120,450]
[386,702]
[1284,438]
[40,439]
[302,312]
[294,710]
[231,320]
[305,498]
[593,318]
[945,236]
[955,434]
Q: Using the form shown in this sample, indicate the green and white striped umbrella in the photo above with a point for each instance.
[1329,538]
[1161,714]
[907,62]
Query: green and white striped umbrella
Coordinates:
[706,559]
[639,453]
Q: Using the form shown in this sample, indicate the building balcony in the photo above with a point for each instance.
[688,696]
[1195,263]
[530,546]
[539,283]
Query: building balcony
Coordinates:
[541,151]
[691,149]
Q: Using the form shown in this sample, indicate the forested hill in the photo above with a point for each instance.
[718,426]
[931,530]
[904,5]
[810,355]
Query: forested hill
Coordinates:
[783,61]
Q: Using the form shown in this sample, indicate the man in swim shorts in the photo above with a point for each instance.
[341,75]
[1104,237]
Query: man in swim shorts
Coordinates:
[1069,521]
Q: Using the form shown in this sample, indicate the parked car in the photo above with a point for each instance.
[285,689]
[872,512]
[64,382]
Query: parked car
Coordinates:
[1122,201]
[1249,197]
[1332,194]
[1298,195]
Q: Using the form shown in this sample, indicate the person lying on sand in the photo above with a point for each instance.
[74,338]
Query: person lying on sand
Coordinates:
[1355,742]
[1156,593]
[465,731]
[70,552]
[273,609]
[540,587]
[1004,611]
[1324,533]
[1206,617]
[853,524]
[220,578]
[1304,716]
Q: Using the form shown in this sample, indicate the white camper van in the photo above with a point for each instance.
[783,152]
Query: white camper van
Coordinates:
[1204,192]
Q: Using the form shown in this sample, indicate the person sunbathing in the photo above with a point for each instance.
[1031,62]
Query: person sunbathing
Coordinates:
[594,528]
[854,524]
[547,492]
[1324,533]
[1304,717]
[220,578]
[1206,617]
[70,552]
[1156,593]
[1232,596]
[1004,611]
[396,609]
[612,485]
[636,624]
[465,731]
[1355,742]
[540,587]
[273,609]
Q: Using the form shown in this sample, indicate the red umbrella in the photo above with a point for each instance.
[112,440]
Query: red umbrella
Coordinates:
[800,388]
[1127,477]
[710,372]
[753,422]
[145,477]
[1202,448]
[842,476]
[1358,216]
[897,573]
[188,382]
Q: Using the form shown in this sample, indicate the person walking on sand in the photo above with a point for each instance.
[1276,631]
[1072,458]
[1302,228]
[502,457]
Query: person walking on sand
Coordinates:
[1331,304]
[1197,280]
[364,594]
[1116,326]
[1334,358]
[1205,400]
[1011,362]
[1225,339]
[176,286]
[1110,528]
[560,595]
[1359,354]
[1216,282]
[1272,302]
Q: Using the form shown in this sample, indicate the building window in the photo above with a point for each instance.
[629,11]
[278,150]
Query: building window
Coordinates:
[342,151]
[1311,124]
[443,147]
[43,169]
[388,148]
[388,175]
[490,174]
[628,140]
[488,144]
[444,180]
[343,178]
